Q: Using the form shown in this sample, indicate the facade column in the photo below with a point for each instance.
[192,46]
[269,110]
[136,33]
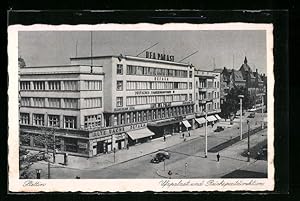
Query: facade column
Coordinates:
[31,141]
[193,124]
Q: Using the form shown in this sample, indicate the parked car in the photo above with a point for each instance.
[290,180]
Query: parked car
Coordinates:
[219,129]
[160,156]
[251,115]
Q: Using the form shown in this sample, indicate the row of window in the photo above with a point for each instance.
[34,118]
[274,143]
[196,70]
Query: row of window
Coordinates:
[56,102]
[202,96]
[149,115]
[69,85]
[142,100]
[210,107]
[143,70]
[53,120]
[140,85]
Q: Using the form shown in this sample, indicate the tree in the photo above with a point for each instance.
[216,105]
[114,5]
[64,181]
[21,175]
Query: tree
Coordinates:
[231,104]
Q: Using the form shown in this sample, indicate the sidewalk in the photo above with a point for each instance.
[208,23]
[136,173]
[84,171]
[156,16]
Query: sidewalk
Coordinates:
[121,156]
[230,160]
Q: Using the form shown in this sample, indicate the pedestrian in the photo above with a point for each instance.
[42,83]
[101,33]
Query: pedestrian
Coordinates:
[189,134]
[164,138]
[182,135]
[127,146]
[218,157]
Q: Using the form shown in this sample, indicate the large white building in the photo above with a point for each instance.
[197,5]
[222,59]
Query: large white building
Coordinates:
[98,104]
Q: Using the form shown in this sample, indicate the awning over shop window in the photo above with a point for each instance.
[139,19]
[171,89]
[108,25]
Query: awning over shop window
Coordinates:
[141,133]
[200,120]
[186,124]
[211,118]
[217,116]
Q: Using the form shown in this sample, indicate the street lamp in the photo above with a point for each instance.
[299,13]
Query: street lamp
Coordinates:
[248,153]
[262,112]
[205,110]
[241,114]
[38,173]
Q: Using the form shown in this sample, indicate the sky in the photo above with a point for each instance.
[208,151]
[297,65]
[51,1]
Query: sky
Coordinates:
[216,48]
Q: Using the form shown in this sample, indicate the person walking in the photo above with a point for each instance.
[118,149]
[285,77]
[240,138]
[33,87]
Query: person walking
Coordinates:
[164,138]
[218,157]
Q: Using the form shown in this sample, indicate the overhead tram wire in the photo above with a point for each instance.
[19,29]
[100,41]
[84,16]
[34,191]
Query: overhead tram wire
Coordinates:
[188,56]
[147,49]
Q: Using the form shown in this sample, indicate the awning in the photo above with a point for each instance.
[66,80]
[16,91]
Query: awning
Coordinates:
[186,124]
[141,133]
[211,118]
[217,116]
[200,120]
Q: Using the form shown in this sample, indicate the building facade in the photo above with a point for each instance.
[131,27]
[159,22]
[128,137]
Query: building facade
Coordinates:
[207,96]
[102,104]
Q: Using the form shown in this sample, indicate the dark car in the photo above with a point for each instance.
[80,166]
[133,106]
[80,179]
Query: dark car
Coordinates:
[219,129]
[160,156]
[251,115]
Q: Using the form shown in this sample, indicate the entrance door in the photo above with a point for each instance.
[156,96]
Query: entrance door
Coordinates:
[100,148]
[120,144]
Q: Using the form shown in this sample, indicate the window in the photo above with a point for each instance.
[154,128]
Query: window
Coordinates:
[93,85]
[184,97]
[190,73]
[120,69]
[190,85]
[92,121]
[71,103]
[190,97]
[25,101]
[54,85]
[71,85]
[119,101]
[38,102]
[39,85]
[38,119]
[93,102]
[24,85]
[119,85]
[130,100]
[24,118]
[53,120]
[218,84]
[168,98]
[69,122]
[54,102]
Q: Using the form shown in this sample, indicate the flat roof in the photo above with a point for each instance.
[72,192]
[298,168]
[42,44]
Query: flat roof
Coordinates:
[133,58]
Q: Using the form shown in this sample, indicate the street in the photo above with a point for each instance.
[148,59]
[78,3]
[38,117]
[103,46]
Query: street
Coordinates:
[187,160]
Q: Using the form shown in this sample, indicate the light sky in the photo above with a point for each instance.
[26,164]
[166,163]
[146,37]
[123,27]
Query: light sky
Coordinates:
[41,48]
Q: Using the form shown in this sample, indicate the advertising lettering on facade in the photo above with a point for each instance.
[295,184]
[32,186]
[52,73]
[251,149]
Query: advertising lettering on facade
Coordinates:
[159,56]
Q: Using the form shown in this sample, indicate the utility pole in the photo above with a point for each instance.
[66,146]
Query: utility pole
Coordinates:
[248,153]
[241,115]
[205,131]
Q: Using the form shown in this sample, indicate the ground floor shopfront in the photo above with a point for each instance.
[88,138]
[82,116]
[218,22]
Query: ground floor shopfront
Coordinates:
[89,143]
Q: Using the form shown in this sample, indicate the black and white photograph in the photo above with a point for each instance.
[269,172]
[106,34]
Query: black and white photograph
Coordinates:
[143,107]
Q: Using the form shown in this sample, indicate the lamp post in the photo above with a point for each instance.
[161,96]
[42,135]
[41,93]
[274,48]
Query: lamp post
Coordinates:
[241,114]
[262,112]
[248,153]
[205,110]
[114,154]
[38,173]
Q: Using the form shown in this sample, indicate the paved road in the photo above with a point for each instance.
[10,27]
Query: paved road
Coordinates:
[141,167]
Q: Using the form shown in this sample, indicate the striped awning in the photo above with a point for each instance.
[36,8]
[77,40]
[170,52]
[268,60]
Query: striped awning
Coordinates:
[200,120]
[186,124]
[217,116]
[211,118]
[141,133]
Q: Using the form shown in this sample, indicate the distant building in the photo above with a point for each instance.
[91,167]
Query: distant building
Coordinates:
[244,77]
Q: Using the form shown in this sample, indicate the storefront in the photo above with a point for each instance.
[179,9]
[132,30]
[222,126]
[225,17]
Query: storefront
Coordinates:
[211,120]
[165,127]
[139,136]
[200,122]
[187,125]
[218,117]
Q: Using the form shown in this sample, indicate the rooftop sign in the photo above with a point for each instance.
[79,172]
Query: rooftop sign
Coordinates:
[159,56]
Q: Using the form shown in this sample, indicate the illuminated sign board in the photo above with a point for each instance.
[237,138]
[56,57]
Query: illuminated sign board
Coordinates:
[159,56]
